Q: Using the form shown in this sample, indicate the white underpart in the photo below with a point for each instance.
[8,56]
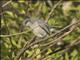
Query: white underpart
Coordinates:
[39,32]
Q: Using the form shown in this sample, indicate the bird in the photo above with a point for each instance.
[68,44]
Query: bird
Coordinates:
[38,26]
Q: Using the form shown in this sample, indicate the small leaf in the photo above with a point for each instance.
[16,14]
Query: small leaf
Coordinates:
[9,13]
[44,9]
[21,1]
[66,56]
[21,11]
[74,53]
[15,5]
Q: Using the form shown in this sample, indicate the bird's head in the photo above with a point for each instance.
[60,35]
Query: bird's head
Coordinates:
[27,22]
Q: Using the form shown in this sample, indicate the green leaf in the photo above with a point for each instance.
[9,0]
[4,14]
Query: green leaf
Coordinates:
[74,55]
[21,11]
[74,52]
[51,21]
[15,5]
[9,13]
[66,56]
[21,1]
[44,9]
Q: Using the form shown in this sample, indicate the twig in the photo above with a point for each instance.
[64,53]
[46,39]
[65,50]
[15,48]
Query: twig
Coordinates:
[6,3]
[37,41]
[15,34]
[75,42]
[56,40]
[70,30]
[10,38]
[24,48]
[53,8]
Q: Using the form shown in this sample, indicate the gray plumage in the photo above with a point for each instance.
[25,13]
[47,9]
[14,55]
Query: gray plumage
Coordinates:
[39,27]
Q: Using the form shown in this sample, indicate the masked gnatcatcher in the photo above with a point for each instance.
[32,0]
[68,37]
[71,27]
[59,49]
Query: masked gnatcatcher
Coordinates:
[38,26]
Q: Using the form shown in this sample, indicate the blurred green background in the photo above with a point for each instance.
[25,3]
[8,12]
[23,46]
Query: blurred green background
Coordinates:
[14,12]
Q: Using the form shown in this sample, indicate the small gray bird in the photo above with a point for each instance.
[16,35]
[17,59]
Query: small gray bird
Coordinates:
[39,27]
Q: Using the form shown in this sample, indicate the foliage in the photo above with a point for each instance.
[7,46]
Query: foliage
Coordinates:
[14,12]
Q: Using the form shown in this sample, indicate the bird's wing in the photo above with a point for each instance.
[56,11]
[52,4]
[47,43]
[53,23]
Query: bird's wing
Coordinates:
[44,26]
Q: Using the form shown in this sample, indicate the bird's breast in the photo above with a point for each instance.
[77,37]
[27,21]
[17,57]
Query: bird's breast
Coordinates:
[39,32]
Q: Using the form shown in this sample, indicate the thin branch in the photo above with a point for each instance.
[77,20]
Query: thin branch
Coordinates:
[56,40]
[75,42]
[24,32]
[37,41]
[6,3]
[24,48]
[66,48]
[66,33]
[52,10]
